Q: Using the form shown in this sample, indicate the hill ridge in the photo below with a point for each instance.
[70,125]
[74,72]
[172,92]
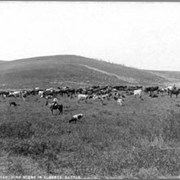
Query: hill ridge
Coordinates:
[59,70]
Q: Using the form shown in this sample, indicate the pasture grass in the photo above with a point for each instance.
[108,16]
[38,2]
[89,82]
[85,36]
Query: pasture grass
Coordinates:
[139,139]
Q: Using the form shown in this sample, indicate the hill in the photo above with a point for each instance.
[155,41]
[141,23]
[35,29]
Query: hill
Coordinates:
[2,62]
[173,77]
[71,70]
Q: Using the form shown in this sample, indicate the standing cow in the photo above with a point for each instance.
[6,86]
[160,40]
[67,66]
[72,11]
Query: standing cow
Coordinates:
[119,101]
[138,92]
[82,97]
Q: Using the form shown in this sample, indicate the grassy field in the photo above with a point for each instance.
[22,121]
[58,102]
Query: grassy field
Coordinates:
[139,139]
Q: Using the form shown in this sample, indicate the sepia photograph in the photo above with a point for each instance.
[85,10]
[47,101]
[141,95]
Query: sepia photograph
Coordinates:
[89,89]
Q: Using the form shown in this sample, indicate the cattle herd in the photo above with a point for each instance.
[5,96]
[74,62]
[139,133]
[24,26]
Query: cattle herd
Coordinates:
[117,93]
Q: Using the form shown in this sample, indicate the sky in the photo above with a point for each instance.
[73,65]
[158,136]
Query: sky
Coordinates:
[143,35]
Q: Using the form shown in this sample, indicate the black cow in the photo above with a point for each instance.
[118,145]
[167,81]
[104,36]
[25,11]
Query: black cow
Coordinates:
[13,103]
[151,89]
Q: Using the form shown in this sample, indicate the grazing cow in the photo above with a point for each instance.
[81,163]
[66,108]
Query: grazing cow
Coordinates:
[95,97]
[101,98]
[41,93]
[82,97]
[162,91]
[13,103]
[3,96]
[14,94]
[104,96]
[115,98]
[170,88]
[75,118]
[153,95]
[151,89]
[48,97]
[119,101]
[138,92]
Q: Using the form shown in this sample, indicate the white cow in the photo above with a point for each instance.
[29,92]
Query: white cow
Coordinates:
[104,96]
[82,97]
[95,97]
[41,93]
[15,93]
[170,88]
[138,92]
[76,117]
[119,101]
[50,89]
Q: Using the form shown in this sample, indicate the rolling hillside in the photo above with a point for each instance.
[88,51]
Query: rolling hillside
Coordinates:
[53,71]
[171,76]
[2,62]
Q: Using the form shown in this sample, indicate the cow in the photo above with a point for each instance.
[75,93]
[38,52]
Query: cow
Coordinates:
[41,93]
[170,88]
[162,91]
[95,97]
[104,96]
[3,96]
[119,101]
[154,96]
[138,92]
[151,89]
[76,117]
[82,97]
[48,97]
[15,94]
[13,103]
